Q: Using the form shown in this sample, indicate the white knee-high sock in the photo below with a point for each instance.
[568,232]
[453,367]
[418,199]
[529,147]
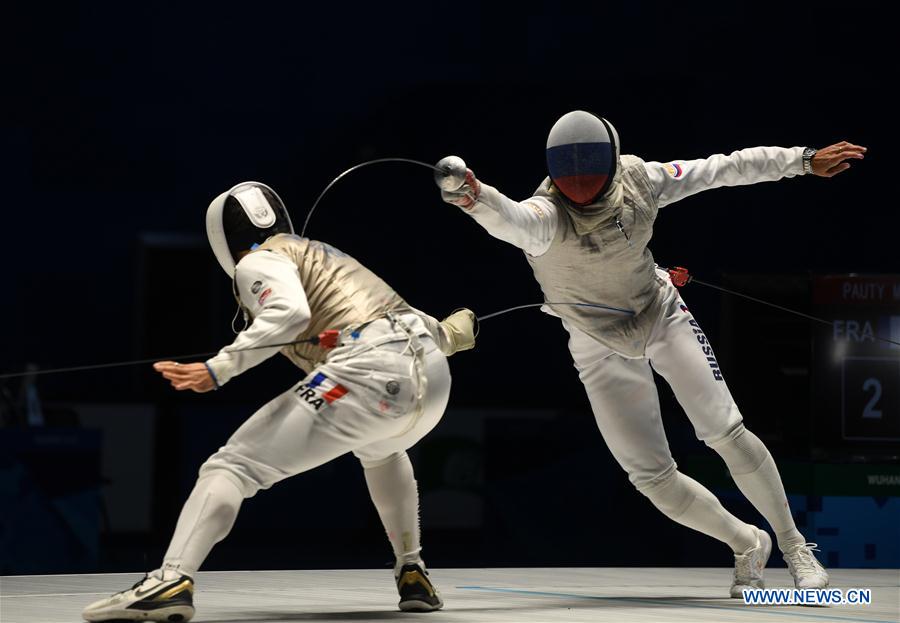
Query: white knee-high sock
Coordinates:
[206,519]
[756,475]
[392,486]
[686,501]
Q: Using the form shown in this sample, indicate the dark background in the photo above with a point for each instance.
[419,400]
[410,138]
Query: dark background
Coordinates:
[125,120]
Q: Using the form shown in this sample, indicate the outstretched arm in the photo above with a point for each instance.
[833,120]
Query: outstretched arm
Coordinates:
[529,225]
[270,288]
[678,179]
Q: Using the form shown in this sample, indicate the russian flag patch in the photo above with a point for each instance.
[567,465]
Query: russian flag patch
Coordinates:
[674,169]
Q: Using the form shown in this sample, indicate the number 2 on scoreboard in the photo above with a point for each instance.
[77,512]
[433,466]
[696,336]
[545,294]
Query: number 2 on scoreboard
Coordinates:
[870,411]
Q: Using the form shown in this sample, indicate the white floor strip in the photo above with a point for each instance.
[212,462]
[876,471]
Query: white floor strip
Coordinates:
[471,595]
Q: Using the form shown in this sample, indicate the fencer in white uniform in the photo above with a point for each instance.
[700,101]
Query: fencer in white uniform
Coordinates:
[378,382]
[585,233]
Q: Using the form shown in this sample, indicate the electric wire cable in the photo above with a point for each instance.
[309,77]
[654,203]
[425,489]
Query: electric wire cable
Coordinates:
[479,319]
[830,323]
[312,340]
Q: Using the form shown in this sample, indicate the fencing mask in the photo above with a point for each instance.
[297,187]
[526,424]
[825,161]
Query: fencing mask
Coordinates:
[242,217]
[582,155]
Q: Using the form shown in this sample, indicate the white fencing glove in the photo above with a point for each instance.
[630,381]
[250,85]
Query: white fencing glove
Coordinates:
[457,331]
[466,195]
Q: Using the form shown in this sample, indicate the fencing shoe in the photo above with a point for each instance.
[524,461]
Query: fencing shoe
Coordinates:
[151,599]
[417,593]
[749,566]
[806,570]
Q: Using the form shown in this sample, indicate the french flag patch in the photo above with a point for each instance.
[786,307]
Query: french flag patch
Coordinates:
[320,391]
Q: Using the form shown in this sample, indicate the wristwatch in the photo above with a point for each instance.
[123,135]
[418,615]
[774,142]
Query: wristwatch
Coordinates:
[808,154]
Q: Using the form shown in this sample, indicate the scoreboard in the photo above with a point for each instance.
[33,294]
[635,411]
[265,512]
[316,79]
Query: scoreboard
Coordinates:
[856,375]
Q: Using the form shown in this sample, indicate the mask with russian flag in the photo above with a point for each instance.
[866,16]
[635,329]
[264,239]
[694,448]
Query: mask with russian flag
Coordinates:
[582,155]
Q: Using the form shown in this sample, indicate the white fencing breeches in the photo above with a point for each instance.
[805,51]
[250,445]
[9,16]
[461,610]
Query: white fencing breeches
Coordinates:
[375,397]
[625,403]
